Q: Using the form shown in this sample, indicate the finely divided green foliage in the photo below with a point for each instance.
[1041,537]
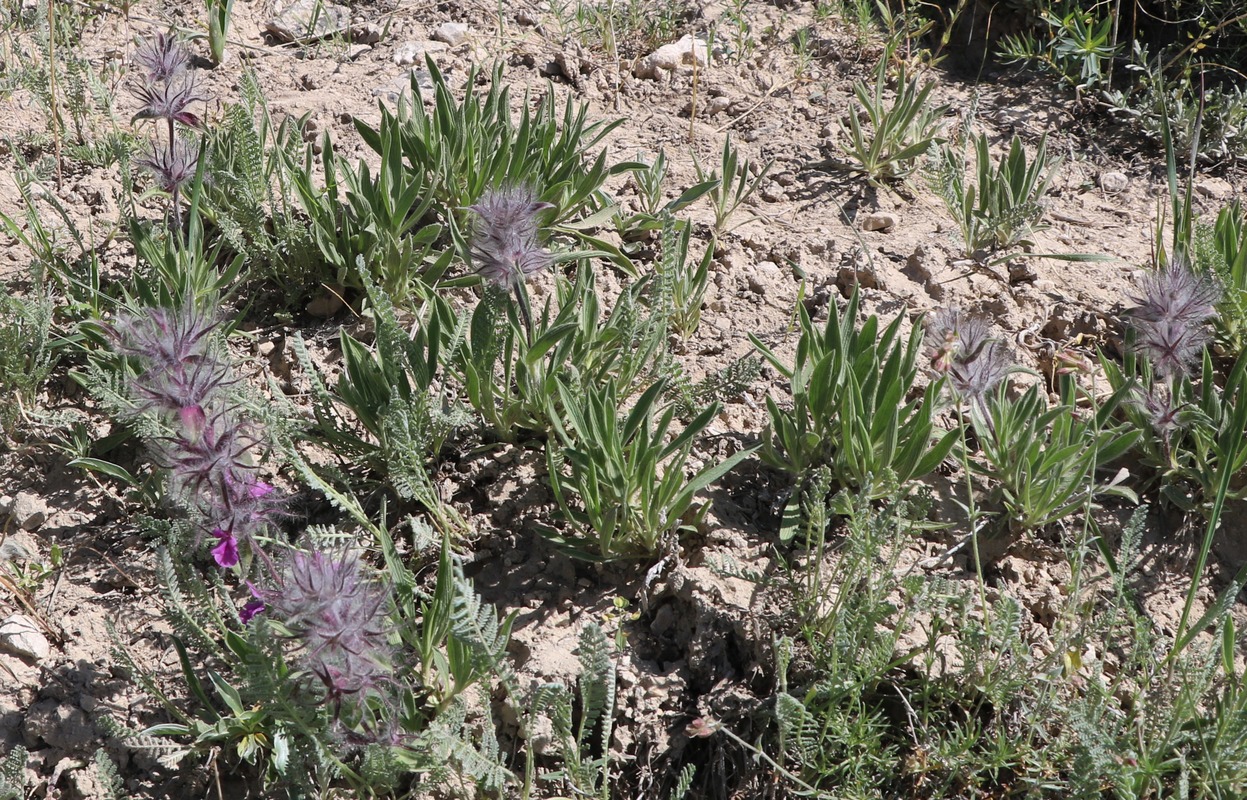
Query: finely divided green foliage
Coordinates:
[851,405]
[26,353]
[389,411]
[1000,210]
[899,133]
[460,149]
[618,477]
[1040,463]
[584,742]
[251,196]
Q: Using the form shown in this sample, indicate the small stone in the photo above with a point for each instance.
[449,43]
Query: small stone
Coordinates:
[368,33]
[1114,182]
[1214,189]
[878,221]
[308,21]
[19,634]
[717,105]
[19,546]
[671,56]
[412,52]
[452,33]
[28,511]
[400,88]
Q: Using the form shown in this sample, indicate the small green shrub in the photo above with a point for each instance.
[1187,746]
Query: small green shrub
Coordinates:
[620,483]
[1040,463]
[1000,210]
[26,353]
[852,409]
[900,133]
[460,149]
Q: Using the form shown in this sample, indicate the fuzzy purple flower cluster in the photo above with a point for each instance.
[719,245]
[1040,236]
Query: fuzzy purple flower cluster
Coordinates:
[961,349]
[209,452]
[338,616]
[167,88]
[505,247]
[1171,317]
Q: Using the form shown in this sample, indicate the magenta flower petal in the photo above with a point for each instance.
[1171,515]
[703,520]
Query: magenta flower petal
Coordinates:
[225,553]
[259,489]
[249,611]
[194,420]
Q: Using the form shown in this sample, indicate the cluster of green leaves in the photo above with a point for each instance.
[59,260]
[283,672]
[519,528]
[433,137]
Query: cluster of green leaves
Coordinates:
[626,472]
[1040,462]
[731,184]
[999,211]
[900,133]
[1221,250]
[378,220]
[852,409]
[460,149]
[1079,46]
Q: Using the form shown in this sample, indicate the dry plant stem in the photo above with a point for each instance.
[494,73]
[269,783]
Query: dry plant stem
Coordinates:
[56,111]
[765,99]
[692,109]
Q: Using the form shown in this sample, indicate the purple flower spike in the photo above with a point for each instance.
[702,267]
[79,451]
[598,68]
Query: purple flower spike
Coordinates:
[170,100]
[162,57]
[225,553]
[172,168]
[339,617]
[1171,315]
[962,350]
[504,240]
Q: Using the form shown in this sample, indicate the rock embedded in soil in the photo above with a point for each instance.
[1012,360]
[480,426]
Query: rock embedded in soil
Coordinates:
[452,33]
[1114,182]
[20,635]
[412,52]
[28,511]
[669,57]
[879,221]
[308,21]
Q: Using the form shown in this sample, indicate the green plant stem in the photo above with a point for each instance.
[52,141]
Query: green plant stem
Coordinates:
[973,514]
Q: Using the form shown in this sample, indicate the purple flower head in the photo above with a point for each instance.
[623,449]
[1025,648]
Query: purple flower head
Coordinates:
[1171,315]
[173,167]
[182,373]
[1166,413]
[338,615]
[225,553]
[170,100]
[504,238]
[162,58]
[961,349]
